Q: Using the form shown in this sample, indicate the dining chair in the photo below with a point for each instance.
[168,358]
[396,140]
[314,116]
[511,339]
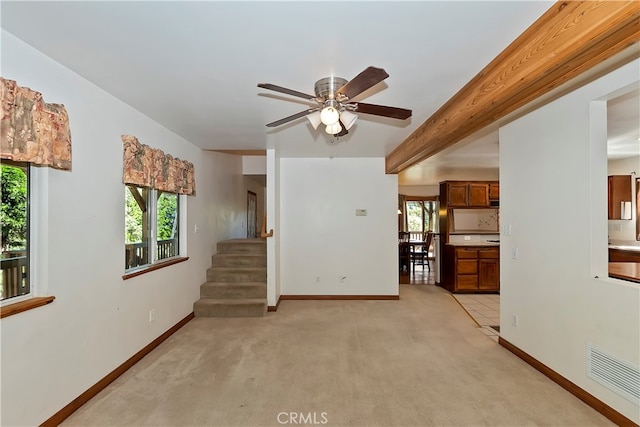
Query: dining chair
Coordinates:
[420,253]
[404,251]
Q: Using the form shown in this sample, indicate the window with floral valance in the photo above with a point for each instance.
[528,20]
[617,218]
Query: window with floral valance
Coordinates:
[150,167]
[32,130]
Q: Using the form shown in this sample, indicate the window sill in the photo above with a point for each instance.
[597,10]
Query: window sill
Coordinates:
[28,304]
[154,267]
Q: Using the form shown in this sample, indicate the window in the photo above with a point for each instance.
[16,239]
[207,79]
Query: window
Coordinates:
[420,217]
[14,281]
[167,207]
[151,226]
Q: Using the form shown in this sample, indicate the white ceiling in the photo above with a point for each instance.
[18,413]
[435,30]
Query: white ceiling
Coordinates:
[194,66]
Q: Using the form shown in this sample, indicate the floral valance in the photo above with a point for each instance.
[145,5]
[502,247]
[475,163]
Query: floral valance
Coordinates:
[149,167]
[32,130]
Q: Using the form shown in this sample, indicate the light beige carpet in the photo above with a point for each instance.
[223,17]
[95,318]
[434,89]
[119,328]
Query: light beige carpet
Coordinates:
[419,361]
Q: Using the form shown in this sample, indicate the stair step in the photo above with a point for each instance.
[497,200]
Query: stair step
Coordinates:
[237,274]
[239,260]
[210,307]
[233,290]
[242,246]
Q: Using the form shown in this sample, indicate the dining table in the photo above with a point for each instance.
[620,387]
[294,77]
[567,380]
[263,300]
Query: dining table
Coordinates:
[405,251]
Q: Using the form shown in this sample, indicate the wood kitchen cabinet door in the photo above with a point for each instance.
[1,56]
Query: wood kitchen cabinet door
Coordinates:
[467,266]
[489,269]
[467,282]
[494,191]
[619,191]
[478,195]
[458,195]
[488,274]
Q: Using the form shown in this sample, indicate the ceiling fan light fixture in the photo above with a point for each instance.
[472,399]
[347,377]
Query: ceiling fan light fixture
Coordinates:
[348,119]
[334,108]
[329,115]
[333,129]
[315,120]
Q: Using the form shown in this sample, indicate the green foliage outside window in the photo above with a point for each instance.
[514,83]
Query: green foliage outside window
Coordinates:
[414,216]
[133,219]
[167,217]
[420,215]
[14,208]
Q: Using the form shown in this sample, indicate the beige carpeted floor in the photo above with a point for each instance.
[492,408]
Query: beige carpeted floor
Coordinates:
[419,361]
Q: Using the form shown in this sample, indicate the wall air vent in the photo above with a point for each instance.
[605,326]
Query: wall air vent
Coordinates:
[616,374]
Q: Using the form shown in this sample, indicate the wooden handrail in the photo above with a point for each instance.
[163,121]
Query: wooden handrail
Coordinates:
[263,230]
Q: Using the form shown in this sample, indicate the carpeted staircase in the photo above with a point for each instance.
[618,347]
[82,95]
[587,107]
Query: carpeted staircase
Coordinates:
[236,283]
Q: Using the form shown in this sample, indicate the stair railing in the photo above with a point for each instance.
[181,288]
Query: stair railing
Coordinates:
[263,230]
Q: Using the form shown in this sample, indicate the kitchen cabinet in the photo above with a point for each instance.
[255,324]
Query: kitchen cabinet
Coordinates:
[471,268]
[458,195]
[619,189]
[489,269]
[476,269]
[478,195]
[621,255]
[468,195]
[494,191]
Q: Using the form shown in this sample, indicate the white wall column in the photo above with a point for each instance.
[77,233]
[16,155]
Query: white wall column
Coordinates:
[273,223]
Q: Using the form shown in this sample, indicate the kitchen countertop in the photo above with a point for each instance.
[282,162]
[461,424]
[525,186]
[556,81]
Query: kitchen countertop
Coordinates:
[624,245]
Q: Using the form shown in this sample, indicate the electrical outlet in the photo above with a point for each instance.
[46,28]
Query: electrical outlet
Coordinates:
[467,238]
[506,230]
[317,279]
[515,253]
[514,320]
[152,315]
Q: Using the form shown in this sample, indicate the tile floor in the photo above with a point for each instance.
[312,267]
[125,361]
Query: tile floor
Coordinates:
[484,309]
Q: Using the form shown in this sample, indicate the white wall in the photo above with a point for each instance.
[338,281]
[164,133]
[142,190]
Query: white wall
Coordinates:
[52,354]
[322,239]
[254,165]
[553,192]
[419,190]
[624,229]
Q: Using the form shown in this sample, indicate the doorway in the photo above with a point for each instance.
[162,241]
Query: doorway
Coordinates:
[252,215]
[417,216]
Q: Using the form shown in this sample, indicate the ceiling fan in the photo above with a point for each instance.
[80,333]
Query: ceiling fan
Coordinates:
[335,109]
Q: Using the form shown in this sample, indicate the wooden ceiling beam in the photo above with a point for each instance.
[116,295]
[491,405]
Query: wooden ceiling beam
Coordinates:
[567,40]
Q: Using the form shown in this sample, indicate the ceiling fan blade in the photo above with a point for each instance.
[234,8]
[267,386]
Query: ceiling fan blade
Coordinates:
[363,81]
[382,110]
[291,118]
[344,130]
[287,91]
